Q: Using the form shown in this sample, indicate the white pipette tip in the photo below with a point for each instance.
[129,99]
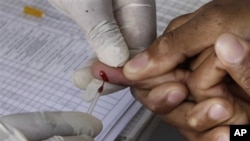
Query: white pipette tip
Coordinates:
[93,103]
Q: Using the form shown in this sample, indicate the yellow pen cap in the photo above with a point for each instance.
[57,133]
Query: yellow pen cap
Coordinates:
[32,11]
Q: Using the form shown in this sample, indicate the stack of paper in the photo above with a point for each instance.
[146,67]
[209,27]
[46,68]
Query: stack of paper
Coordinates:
[39,55]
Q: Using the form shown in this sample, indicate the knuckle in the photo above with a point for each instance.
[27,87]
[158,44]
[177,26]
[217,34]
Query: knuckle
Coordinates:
[156,105]
[175,23]
[197,83]
[166,42]
[181,75]
[172,25]
[194,83]
[172,35]
[159,48]
[161,43]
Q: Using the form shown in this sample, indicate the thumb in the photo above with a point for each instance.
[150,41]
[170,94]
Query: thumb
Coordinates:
[171,49]
[96,19]
[234,54]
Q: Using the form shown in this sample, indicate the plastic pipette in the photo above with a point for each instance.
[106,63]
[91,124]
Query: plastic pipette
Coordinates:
[93,103]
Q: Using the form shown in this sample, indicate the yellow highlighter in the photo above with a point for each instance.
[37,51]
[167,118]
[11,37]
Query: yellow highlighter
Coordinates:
[32,11]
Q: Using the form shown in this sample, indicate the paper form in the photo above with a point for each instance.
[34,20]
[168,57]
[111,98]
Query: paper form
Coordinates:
[37,59]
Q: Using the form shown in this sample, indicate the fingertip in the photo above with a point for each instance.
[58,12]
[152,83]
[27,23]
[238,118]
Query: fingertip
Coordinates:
[132,69]
[218,112]
[114,75]
[166,97]
[209,113]
[229,49]
[176,96]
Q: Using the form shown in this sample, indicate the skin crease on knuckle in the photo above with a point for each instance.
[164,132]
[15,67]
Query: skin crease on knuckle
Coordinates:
[141,95]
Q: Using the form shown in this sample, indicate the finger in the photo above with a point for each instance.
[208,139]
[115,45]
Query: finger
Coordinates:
[163,98]
[216,111]
[100,27]
[209,113]
[185,41]
[72,138]
[175,76]
[42,125]
[96,84]
[137,21]
[88,78]
[234,54]
[201,58]
[115,75]
[220,133]
[206,81]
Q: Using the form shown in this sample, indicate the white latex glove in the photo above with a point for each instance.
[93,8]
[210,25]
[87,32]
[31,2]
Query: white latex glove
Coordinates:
[115,29]
[49,126]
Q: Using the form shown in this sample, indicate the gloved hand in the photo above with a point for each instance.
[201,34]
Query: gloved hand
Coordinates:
[115,29]
[49,126]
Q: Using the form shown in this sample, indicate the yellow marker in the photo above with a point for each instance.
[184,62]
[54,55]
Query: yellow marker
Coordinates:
[32,11]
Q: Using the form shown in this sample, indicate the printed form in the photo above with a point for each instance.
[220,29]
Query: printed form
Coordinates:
[39,55]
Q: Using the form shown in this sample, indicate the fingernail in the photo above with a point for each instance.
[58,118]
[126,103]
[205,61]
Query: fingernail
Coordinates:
[229,49]
[175,97]
[218,112]
[137,63]
[223,138]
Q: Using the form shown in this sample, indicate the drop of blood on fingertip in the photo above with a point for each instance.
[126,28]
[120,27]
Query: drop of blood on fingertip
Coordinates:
[103,75]
[104,79]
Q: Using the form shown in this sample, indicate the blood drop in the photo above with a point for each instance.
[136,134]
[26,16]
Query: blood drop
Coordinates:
[104,79]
